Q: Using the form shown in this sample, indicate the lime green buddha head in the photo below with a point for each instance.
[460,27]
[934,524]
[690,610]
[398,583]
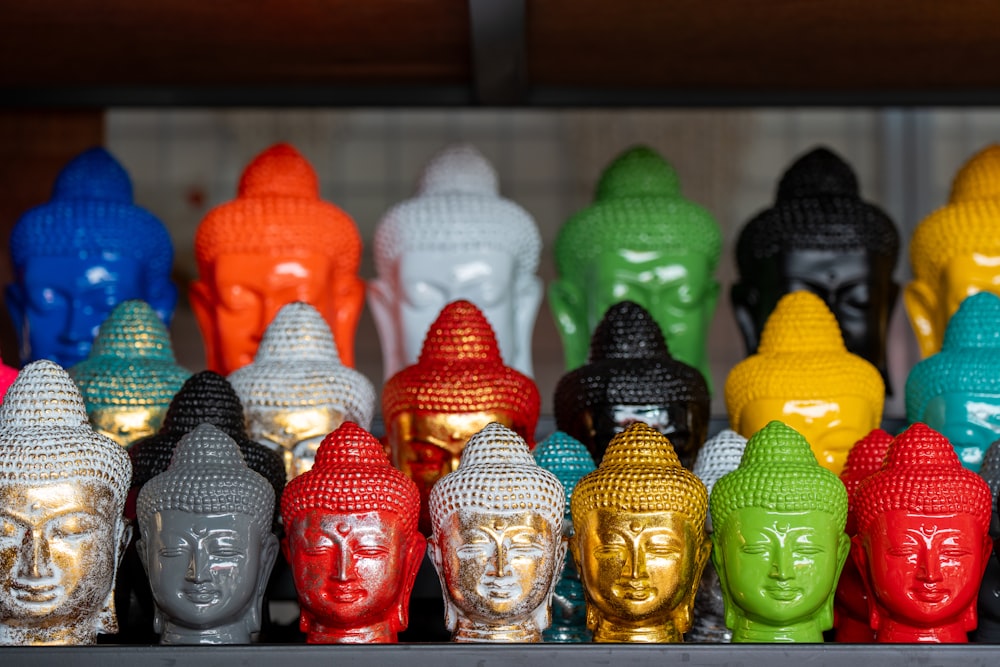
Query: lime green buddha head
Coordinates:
[640,240]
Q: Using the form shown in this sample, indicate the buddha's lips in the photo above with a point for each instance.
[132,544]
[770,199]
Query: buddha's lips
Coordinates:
[201,593]
[35,594]
[635,591]
[347,594]
[929,593]
[783,593]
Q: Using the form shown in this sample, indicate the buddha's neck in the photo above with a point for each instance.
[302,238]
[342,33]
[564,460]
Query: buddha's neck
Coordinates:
[891,631]
[379,633]
[661,633]
[78,633]
[233,633]
[747,630]
[469,631]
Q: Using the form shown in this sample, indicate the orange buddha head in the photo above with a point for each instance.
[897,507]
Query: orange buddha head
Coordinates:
[276,243]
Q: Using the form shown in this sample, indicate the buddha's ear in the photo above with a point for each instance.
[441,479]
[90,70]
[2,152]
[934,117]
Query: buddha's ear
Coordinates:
[437,558]
[543,615]
[720,569]
[381,302]
[268,556]
[569,309]
[922,307]
[825,616]
[347,302]
[17,306]
[203,304]
[413,556]
[526,304]
[860,557]
[744,298]
[162,298]
[684,614]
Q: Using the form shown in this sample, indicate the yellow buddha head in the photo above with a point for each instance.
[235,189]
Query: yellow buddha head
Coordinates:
[804,376]
[955,251]
[640,543]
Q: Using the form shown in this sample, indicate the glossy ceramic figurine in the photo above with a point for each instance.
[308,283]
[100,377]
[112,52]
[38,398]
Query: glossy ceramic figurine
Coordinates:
[297,390]
[497,542]
[205,398]
[81,253]
[457,239]
[206,542]
[458,386]
[640,542]
[988,606]
[778,540]
[352,541]
[955,251]
[820,236]
[803,376]
[630,378]
[277,242]
[640,240]
[569,460]
[923,540]
[62,493]
[850,604]
[957,391]
[131,375]
[720,456]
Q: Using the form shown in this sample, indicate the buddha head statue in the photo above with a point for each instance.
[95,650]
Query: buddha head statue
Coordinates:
[205,398]
[276,243]
[956,391]
[803,375]
[566,458]
[497,540]
[131,375]
[62,494]
[458,386]
[456,239]
[778,539]
[990,472]
[640,543]
[720,456]
[850,603]
[821,237]
[297,391]
[631,377]
[351,538]
[640,240]
[988,607]
[955,251]
[81,253]
[205,541]
[923,540]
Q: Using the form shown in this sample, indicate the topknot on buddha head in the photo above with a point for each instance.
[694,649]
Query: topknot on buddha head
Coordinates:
[460,370]
[45,437]
[818,206]
[638,205]
[277,211]
[131,363]
[91,213]
[458,207]
[297,366]
[922,474]
[566,458]
[720,455]
[779,473]
[802,357]
[969,360]
[640,472]
[966,224]
[497,473]
[352,474]
[207,475]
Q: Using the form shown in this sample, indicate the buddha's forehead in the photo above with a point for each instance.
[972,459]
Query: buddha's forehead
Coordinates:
[638,522]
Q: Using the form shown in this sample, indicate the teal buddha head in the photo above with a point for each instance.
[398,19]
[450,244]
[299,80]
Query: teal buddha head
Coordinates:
[957,391]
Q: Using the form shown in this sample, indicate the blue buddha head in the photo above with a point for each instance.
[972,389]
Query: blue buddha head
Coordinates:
[79,255]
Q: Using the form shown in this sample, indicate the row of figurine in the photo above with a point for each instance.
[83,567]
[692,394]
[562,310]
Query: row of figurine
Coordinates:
[90,247]
[893,550]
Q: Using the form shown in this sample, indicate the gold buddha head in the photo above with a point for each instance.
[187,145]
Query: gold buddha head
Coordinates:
[62,494]
[640,543]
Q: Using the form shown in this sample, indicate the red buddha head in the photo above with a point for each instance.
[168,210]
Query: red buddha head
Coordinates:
[923,540]
[458,386]
[276,243]
[352,541]
[850,603]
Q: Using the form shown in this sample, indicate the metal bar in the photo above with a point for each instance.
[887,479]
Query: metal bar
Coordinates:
[498,60]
